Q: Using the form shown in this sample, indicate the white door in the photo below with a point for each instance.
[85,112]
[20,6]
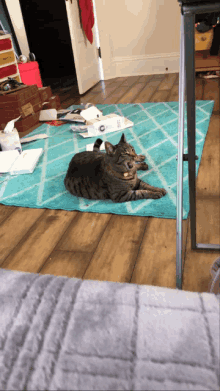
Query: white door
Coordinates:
[85,55]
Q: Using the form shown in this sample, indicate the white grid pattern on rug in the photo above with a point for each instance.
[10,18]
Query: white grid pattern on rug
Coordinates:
[163,107]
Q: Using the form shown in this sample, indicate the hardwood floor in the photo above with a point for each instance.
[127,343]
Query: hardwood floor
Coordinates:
[131,249]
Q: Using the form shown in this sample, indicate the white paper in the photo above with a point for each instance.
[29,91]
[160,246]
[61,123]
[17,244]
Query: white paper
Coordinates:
[127,124]
[7,158]
[63,111]
[78,129]
[10,141]
[26,162]
[91,113]
[33,138]
[109,123]
[48,115]
[89,147]
[73,118]
[10,125]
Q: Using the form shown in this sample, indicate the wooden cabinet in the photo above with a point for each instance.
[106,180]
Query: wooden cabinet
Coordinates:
[8,62]
[204,62]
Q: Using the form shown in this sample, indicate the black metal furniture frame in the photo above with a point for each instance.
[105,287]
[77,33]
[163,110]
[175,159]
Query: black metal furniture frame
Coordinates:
[187,84]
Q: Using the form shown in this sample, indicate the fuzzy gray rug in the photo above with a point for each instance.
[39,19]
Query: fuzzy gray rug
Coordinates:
[58,333]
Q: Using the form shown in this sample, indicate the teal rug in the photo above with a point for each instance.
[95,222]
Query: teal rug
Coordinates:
[154,134]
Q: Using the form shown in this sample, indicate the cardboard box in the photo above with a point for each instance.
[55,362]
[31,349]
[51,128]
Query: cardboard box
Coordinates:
[21,94]
[45,93]
[54,103]
[14,111]
[24,102]
[105,124]
[24,124]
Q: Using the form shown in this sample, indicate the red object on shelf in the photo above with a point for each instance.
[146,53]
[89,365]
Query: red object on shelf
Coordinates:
[8,71]
[5,44]
[30,73]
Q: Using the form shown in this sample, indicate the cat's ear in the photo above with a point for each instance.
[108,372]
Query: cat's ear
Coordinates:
[123,139]
[110,149]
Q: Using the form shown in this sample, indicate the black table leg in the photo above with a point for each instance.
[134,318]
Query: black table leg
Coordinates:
[189,25]
[188,80]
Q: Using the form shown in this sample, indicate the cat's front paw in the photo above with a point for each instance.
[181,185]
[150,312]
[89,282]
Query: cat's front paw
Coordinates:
[163,191]
[144,166]
[156,194]
[141,158]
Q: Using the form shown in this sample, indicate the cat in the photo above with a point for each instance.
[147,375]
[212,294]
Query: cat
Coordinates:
[112,175]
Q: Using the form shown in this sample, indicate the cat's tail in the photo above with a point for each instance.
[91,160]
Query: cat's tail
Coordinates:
[97,145]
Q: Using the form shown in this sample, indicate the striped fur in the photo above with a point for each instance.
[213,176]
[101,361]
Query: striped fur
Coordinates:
[112,175]
[97,145]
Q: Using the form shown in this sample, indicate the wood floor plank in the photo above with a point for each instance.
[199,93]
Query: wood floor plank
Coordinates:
[67,93]
[130,81]
[160,77]
[117,95]
[197,266]
[34,249]
[208,219]
[119,80]
[177,79]
[208,180]
[5,211]
[100,86]
[156,261]
[84,233]
[97,89]
[174,94]
[211,91]
[66,263]
[167,82]
[149,90]
[120,91]
[16,227]
[92,98]
[199,91]
[145,79]
[160,96]
[107,92]
[118,248]
[135,90]
[71,101]
[198,263]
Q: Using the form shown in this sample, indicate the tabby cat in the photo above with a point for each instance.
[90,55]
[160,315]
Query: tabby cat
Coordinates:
[112,175]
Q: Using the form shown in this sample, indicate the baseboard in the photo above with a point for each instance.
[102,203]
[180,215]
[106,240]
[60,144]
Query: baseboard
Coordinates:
[144,65]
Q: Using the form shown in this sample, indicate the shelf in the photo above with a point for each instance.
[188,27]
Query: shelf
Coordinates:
[205,62]
[16,75]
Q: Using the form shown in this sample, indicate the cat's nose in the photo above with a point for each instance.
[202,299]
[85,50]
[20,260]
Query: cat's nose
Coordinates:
[130,165]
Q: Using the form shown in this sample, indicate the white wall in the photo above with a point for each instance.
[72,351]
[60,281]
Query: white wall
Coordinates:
[14,10]
[138,36]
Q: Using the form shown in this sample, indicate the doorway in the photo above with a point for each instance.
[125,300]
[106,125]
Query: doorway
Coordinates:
[48,35]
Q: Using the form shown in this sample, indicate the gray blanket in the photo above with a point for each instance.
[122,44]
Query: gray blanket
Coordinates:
[58,333]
